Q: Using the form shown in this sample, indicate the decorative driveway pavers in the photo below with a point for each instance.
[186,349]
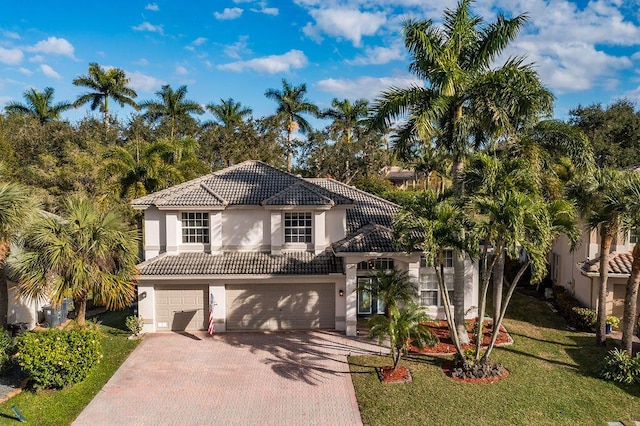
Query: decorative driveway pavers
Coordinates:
[266,378]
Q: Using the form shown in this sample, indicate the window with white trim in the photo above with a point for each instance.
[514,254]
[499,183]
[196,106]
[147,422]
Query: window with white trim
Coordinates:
[297,227]
[195,227]
[448,260]
[430,291]
[634,235]
[379,264]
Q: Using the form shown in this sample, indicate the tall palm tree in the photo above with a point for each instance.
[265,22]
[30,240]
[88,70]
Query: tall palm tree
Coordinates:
[391,288]
[228,112]
[464,100]
[86,250]
[590,194]
[39,105]
[16,207]
[347,117]
[104,84]
[291,105]
[172,107]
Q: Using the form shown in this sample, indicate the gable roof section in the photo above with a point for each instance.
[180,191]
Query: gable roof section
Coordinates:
[298,195]
[619,263]
[369,209]
[371,238]
[243,263]
[247,183]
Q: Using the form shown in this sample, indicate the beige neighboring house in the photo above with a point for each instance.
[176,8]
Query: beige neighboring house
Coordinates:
[270,251]
[579,271]
[399,177]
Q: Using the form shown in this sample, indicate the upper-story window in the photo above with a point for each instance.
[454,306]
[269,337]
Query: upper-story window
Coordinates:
[448,260]
[634,235]
[379,264]
[195,227]
[297,227]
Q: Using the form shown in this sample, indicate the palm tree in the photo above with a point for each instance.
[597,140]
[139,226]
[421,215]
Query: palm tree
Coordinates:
[86,251]
[173,107]
[229,113]
[464,100]
[347,117]
[391,288]
[590,194]
[39,105]
[16,207]
[291,105]
[402,327]
[104,84]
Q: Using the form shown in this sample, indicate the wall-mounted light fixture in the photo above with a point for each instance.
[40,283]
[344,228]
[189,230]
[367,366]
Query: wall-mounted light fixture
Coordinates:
[340,292]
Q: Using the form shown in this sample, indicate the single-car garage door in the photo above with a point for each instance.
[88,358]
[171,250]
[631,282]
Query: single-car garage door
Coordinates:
[280,306]
[181,308]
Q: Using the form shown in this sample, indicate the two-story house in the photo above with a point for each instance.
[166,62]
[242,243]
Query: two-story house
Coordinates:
[579,270]
[270,251]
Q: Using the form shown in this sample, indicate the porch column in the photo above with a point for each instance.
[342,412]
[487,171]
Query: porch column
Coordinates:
[352,300]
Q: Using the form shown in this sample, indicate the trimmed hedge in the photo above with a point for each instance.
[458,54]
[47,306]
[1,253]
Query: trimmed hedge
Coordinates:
[578,316]
[56,358]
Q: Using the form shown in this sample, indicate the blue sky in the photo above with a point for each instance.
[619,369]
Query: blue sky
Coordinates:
[585,52]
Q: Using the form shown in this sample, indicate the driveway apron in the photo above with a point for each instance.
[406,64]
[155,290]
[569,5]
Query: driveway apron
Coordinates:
[266,378]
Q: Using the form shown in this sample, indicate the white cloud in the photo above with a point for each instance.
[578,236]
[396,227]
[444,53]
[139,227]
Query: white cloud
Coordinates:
[25,71]
[273,11]
[49,72]
[344,23]
[147,26]
[142,62]
[36,58]
[152,6]
[53,46]
[271,64]
[379,55]
[237,49]
[11,56]
[199,41]
[181,70]
[228,13]
[364,87]
[11,34]
[144,83]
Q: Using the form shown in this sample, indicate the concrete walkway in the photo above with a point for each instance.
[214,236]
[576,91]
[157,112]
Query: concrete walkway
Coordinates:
[279,378]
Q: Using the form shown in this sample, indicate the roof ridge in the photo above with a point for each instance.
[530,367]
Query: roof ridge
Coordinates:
[173,188]
[304,185]
[362,232]
[358,190]
[212,192]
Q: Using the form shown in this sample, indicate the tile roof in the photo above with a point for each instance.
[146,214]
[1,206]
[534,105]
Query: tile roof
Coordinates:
[299,195]
[248,183]
[243,263]
[368,209]
[371,238]
[619,263]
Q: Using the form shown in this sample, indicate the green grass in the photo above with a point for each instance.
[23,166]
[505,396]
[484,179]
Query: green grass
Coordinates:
[61,407]
[553,381]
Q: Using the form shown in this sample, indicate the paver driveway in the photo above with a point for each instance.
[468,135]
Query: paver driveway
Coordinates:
[232,379]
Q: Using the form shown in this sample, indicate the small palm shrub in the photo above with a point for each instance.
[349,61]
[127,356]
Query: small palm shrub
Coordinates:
[56,358]
[620,367]
[134,324]
[6,349]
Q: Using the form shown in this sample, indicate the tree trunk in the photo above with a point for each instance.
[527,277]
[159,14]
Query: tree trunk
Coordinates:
[4,290]
[606,239]
[453,330]
[80,306]
[289,135]
[498,277]
[458,295]
[106,112]
[630,303]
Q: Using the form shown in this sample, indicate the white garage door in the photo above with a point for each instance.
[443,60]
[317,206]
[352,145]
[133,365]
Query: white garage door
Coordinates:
[181,308]
[280,306]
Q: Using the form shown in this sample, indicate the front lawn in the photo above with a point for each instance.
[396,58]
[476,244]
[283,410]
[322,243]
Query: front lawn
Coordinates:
[554,380]
[63,406]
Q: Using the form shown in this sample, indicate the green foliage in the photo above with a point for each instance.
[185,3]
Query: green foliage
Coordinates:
[56,358]
[7,346]
[613,321]
[620,367]
[584,318]
[578,316]
[134,324]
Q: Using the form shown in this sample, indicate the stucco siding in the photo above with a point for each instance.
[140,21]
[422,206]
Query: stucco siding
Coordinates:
[245,229]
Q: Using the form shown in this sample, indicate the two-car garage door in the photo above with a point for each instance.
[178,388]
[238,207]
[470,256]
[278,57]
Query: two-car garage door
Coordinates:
[249,307]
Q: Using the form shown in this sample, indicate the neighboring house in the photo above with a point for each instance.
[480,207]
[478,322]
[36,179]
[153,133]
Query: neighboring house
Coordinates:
[579,271]
[399,177]
[271,251]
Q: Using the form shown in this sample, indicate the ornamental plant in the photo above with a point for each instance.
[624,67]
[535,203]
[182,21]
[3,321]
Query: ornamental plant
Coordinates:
[134,324]
[56,358]
[620,367]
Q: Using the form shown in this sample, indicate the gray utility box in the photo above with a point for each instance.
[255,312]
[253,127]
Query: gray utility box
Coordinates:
[52,315]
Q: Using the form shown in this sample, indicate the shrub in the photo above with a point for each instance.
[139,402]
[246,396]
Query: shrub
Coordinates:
[56,358]
[620,367]
[584,318]
[6,349]
[571,309]
[613,321]
[134,324]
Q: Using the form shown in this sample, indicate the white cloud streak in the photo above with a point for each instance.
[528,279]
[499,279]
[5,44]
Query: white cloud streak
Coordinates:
[271,64]
[228,13]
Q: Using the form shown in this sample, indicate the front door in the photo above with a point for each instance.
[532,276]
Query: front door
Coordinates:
[367,304]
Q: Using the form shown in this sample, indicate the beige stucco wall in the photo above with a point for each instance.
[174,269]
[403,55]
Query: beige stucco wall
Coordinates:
[244,229]
[21,309]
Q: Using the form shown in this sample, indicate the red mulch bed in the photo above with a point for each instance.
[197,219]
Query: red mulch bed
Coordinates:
[446,346]
[388,375]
